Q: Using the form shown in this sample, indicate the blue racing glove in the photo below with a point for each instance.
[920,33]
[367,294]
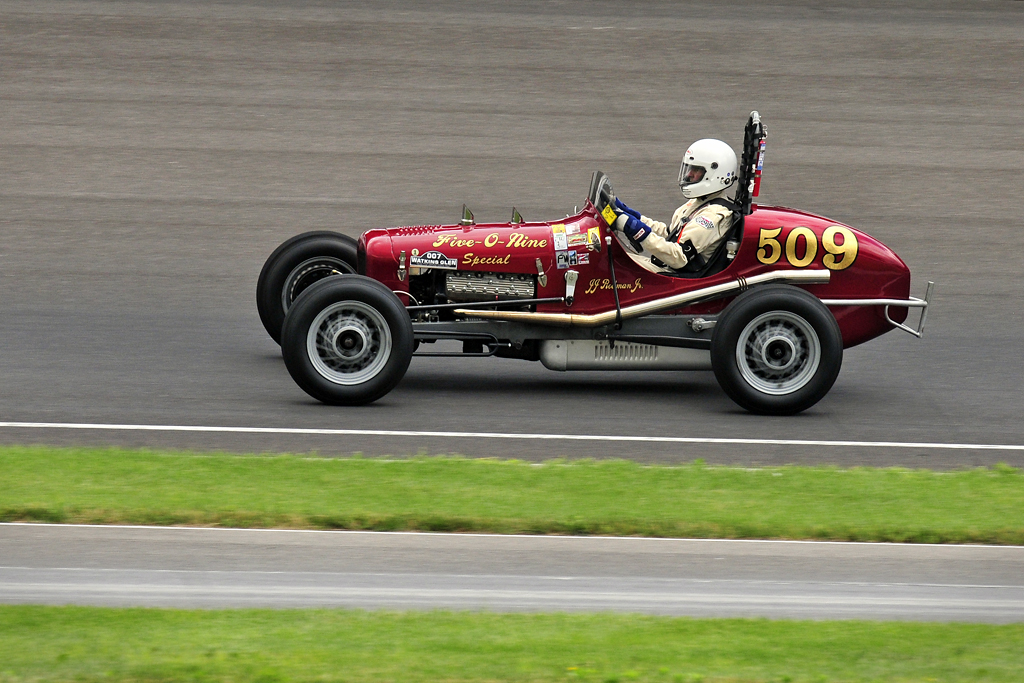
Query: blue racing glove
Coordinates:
[625,209]
[633,228]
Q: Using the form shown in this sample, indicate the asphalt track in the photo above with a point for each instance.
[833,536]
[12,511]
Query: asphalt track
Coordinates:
[178,567]
[153,154]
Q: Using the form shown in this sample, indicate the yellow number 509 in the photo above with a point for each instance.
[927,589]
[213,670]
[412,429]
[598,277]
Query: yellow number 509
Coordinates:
[839,256]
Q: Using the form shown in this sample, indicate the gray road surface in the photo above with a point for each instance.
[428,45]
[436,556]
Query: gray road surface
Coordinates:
[153,154]
[238,568]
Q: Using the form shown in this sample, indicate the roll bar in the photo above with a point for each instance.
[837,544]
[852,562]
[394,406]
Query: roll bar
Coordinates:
[751,163]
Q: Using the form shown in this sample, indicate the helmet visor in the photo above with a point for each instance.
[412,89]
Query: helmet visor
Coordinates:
[689,174]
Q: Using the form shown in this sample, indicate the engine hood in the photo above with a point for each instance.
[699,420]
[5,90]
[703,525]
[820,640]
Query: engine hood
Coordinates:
[493,247]
[498,247]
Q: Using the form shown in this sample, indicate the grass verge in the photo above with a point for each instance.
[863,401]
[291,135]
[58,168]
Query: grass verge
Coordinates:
[102,644]
[462,495]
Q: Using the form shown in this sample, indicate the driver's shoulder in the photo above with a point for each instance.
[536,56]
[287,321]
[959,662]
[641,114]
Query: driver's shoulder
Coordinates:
[682,212]
[713,208]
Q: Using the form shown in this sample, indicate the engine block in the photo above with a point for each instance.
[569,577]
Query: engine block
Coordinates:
[472,286]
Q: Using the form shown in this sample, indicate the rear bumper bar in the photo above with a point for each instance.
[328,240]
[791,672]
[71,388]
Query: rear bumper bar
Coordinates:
[911,302]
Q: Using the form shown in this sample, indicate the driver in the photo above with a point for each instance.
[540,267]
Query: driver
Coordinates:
[708,170]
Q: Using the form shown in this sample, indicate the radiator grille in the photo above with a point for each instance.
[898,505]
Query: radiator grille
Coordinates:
[416,230]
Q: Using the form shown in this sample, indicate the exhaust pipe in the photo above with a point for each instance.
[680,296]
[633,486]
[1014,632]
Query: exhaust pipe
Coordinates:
[796,277]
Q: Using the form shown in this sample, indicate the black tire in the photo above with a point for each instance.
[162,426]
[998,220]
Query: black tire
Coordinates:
[347,340]
[776,350]
[295,265]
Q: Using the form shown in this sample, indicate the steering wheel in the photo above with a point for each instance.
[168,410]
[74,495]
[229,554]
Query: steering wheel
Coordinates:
[601,195]
[600,189]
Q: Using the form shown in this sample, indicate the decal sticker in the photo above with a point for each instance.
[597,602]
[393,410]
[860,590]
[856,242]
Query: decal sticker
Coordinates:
[704,222]
[415,252]
[572,229]
[608,213]
[433,259]
[577,240]
[594,235]
[630,287]
[558,234]
[564,259]
[583,259]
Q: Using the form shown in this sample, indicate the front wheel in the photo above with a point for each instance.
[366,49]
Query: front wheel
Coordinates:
[347,340]
[776,350]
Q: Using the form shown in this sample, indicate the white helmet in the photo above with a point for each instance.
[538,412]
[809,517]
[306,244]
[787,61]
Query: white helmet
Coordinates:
[709,166]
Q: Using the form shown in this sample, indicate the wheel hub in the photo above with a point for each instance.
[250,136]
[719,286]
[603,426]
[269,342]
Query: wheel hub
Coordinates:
[778,353]
[349,340]
[349,343]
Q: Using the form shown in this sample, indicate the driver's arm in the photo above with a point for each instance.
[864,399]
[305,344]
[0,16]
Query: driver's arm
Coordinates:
[651,235]
[669,253]
[657,227]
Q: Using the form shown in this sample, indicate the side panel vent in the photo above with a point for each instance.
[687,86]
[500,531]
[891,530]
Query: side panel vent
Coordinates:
[625,352]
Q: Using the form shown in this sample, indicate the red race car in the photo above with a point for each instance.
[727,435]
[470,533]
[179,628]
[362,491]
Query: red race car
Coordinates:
[770,312]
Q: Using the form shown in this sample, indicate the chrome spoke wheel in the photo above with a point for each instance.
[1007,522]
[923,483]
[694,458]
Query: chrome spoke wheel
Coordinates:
[776,350]
[308,272]
[778,353]
[349,343]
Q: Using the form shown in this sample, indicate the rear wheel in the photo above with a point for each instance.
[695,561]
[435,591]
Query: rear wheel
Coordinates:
[347,340]
[295,265]
[776,350]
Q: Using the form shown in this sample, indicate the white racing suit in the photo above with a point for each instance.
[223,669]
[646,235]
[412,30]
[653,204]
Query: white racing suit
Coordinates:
[703,225]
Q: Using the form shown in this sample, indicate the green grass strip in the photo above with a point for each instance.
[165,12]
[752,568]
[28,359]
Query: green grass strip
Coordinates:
[266,646]
[464,495]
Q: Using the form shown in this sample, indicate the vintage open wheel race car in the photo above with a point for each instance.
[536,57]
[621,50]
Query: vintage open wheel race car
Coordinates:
[770,312]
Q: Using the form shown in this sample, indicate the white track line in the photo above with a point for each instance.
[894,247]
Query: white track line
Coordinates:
[512,436]
[639,540]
